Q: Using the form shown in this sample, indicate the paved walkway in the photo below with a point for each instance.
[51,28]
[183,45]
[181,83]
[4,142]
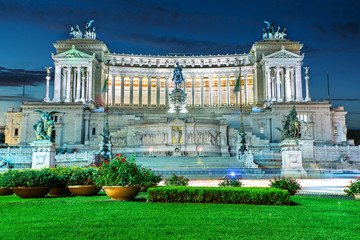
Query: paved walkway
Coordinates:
[314,186]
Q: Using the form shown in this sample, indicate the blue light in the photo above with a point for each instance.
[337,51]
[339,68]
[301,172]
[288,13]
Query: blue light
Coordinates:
[232,174]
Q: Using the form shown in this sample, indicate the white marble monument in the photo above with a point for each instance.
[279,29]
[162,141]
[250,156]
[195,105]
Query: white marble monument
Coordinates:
[43,154]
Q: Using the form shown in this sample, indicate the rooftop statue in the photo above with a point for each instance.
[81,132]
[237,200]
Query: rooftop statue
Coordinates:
[270,33]
[48,70]
[76,33]
[44,127]
[291,126]
[178,78]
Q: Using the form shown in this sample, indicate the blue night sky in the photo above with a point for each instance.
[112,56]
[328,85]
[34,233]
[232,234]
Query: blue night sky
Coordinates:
[329,30]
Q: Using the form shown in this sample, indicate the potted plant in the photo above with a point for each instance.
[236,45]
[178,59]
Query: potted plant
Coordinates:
[175,180]
[62,176]
[286,183]
[82,181]
[149,179]
[354,189]
[4,179]
[30,183]
[121,178]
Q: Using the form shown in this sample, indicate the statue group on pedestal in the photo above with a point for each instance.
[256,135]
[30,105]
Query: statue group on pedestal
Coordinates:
[291,126]
[77,33]
[44,127]
[178,77]
[270,33]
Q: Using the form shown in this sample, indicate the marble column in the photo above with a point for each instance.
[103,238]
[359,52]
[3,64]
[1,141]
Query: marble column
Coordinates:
[273,99]
[268,85]
[68,82]
[140,90]
[210,91]
[278,89]
[131,90]
[307,98]
[299,97]
[57,84]
[157,91]
[292,78]
[83,87]
[255,90]
[202,91]
[149,91]
[167,91]
[112,89]
[87,123]
[89,84]
[193,91]
[228,90]
[47,99]
[219,90]
[78,84]
[245,89]
[287,84]
[122,89]
[63,83]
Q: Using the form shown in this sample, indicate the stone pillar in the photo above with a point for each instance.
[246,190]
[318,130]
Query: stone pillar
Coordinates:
[299,97]
[202,91]
[63,83]
[228,90]
[223,138]
[245,90]
[112,89]
[57,84]
[87,128]
[78,84]
[237,93]
[219,90]
[287,84]
[68,82]
[292,79]
[122,89]
[47,99]
[210,92]
[291,159]
[43,154]
[166,91]
[131,90]
[307,98]
[158,91]
[83,88]
[255,90]
[140,90]
[268,85]
[273,99]
[149,91]
[278,90]
[193,91]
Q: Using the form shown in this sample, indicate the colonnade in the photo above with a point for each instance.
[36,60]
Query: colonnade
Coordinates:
[73,83]
[283,83]
[202,91]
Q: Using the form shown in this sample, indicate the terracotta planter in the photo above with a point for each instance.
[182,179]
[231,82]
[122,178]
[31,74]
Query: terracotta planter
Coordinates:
[6,191]
[59,192]
[31,192]
[357,197]
[145,188]
[84,190]
[292,192]
[122,193]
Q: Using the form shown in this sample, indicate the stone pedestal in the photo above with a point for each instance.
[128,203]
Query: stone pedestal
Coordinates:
[177,101]
[291,159]
[307,148]
[43,154]
[247,159]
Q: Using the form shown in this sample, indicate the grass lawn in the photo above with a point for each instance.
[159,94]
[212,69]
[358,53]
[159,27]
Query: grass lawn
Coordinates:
[99,217]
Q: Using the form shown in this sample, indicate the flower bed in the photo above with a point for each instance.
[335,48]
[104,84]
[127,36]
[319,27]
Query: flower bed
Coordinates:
[263,196]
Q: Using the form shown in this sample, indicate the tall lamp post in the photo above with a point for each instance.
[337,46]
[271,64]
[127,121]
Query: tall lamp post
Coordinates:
[242,133]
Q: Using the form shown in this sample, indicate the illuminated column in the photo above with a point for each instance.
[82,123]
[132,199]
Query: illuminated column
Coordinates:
[227,90]
[245,89]
[112,89]
[167,91]
[158,91]
[278,90]
[202,91]
[268,85]
[255,90]
[63,83]
[131,90]
[210,91]
[292,78]
[307,98]
[219,90]
[140,90]
[83,85]
[299,97]
[273,99]
[193,91]
[47,99]
[68,80]
[149,91]
[89,84]
[57,84]
[78,84]
[122,89]
[287,84]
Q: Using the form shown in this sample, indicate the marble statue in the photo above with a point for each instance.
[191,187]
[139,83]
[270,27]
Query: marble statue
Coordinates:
[44,127]
[178,77]
[270,33]
[76,33]
[291,126]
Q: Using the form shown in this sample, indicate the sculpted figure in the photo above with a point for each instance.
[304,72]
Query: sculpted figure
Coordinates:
[291,126]
[178,78]
[44,127]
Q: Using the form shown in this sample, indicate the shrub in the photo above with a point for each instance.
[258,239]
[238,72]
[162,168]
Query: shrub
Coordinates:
[62,175]
[82,176]
[264,196]
[176,181]
[149,177]
[353,188]
[232,182]
[28,178]
[120,172]
[286,183]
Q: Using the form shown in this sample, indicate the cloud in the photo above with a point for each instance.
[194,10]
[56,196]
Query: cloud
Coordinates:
[311,50]
[15,77]
[342,30]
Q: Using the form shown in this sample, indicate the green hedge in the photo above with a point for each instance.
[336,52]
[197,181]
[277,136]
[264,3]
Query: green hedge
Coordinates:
[253,195]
